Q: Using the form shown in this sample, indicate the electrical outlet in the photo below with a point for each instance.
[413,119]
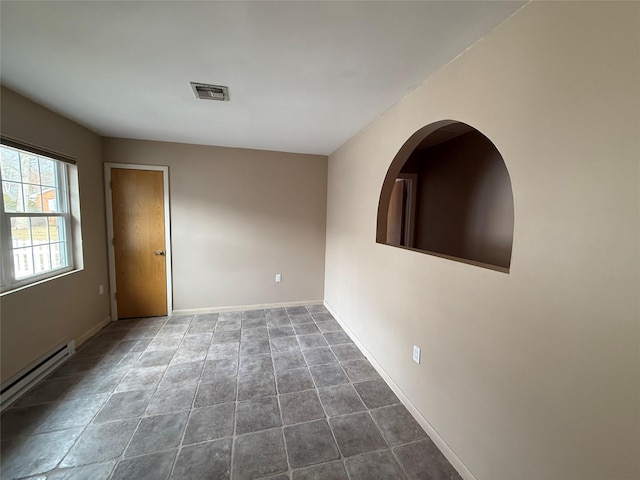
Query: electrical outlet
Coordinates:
[101,289]
[416,355]
[278,278]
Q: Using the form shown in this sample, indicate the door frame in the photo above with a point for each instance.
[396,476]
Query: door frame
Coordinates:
[110,244]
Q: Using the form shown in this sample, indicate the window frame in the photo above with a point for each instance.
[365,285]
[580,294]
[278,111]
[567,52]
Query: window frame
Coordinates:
[8,281]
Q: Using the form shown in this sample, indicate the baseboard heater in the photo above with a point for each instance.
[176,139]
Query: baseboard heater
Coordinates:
[30,376]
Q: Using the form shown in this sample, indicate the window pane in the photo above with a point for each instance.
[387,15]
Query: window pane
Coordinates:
[30,169]
[59,255]
[23,262]
[10,163]
[47,172]
[56,229]
[42,258]
[12,194]
[39,231]
[20,232]
[33,198]
[50,199]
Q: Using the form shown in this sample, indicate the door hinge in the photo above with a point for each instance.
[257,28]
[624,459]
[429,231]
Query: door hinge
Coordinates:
[113,241]
[115,295]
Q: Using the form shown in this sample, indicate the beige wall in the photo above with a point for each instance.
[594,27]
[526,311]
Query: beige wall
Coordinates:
[535,374]
[38,318]
[238,217]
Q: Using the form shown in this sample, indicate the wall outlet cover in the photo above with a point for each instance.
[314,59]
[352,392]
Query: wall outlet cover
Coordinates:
[416,354]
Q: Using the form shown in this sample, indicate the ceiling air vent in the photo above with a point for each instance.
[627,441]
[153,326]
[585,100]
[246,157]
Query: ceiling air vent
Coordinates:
[210,92]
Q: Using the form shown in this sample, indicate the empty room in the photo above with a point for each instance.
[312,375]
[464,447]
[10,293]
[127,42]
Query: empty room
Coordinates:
[350,240]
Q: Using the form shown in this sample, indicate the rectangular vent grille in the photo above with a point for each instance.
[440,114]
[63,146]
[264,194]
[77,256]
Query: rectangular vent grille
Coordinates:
[210,92]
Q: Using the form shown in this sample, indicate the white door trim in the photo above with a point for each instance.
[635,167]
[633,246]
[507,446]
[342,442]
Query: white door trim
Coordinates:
[110,246]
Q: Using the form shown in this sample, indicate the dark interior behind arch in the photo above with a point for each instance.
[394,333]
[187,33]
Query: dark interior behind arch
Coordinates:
[448,193]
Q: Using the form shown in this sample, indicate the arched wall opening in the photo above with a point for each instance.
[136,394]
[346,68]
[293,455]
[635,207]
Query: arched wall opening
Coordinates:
[448,193]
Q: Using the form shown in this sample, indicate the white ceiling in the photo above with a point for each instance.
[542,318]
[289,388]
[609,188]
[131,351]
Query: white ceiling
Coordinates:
[302,76]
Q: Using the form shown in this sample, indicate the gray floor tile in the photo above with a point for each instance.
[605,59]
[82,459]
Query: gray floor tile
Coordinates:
[223,390]
[288,360]
[374,466]
[253,314]
[227,325]
[257,414]
[173,330]
[252,323]
[347,352]
[226,316]
[182,374]
[300,319]
[255,347]
[173,399]
[300,407]
[202,326]
[328,375]
[226,350]
[312,341]
[76,412]
[310,443]
[325,471]
[275,312]
[319,356]
[284,344]
[195,354]
[160,432]
[36,454]
[141,379]
[397,425]
[196,342]
[226,367]
[211,460]
[297,310]
[226,336]
[272,459]
[322,317]
[337,338]
[256,364]
[376,393]
[422,460]
[49,391]
[340,400]
[294,380]
[258,385]
[206,317]
[306,329]
[328,326]
[124,405]
[360,370]
[96,471]
[317,309]
[156,466]
[356,434]
[278,321]
[23,421]
[259,332]
[168,342]
[281,331]
[155,358]
[99,443]
[210,423]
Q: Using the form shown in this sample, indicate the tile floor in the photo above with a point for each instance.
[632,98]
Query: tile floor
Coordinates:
[263,394]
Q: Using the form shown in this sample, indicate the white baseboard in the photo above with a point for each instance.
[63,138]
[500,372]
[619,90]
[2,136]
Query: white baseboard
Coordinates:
[446,450]
[196,311]
[92,331]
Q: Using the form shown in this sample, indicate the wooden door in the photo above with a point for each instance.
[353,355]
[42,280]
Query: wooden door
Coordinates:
[137,199]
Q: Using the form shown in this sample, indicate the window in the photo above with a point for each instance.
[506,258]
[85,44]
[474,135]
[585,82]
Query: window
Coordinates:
[35,227]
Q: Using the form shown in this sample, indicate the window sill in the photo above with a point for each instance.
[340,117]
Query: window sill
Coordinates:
[40,282]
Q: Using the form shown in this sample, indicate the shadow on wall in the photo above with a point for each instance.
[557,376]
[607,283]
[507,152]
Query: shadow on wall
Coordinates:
[448,193]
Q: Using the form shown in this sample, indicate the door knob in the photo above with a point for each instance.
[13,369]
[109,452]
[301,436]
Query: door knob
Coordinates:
[159,252]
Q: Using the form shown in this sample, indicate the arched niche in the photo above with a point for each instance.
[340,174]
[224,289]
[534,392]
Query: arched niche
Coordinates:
[448,193]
